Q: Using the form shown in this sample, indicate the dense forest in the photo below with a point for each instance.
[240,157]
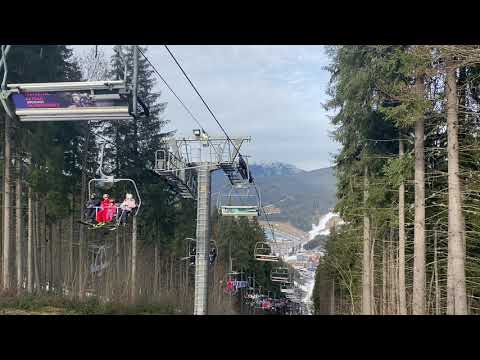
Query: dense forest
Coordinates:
[407,118]
[47,167]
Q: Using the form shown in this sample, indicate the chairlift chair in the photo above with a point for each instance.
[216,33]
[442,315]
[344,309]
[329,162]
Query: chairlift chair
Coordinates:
[239,202]
[280,274]
[287,288]
[192,251]
[99,262]
[111,180]
[108,181]
[70,101]
[263,252]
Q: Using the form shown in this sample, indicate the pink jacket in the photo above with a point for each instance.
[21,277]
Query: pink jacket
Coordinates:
[129,204]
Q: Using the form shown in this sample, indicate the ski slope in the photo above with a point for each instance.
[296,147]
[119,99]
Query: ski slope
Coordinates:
[321,227]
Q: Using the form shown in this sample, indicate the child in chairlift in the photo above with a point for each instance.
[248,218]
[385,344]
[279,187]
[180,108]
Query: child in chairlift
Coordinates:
[90,208]
[230,287]
[111,210]
[126,208]
[103,214]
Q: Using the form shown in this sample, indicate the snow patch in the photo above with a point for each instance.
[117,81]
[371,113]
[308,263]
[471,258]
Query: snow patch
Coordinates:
[321,227]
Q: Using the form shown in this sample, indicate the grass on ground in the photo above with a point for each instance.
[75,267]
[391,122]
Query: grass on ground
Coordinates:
[59,305]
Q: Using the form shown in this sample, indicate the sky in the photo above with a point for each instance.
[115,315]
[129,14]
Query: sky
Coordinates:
[272,93]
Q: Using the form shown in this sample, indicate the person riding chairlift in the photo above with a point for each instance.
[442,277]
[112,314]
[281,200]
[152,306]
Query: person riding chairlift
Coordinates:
[193,252]
[107,210]
[126,208]
[230,286]
[90,208]
[212,255]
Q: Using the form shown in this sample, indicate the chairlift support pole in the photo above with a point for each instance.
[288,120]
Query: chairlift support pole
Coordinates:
[213,154]
[203,243]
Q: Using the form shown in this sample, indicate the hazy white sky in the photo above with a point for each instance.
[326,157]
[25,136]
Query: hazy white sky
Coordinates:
[272,93]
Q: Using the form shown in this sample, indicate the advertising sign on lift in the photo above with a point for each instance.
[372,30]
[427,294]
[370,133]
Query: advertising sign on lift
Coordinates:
[94,100]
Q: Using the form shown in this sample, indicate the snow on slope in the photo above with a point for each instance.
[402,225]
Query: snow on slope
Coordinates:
[321,227]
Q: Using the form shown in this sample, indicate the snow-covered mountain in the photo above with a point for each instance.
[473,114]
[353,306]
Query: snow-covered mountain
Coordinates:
[273,168]
[299,195]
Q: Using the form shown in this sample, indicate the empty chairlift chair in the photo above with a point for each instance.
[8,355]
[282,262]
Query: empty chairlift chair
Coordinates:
[239,202]
[287,288]
[280,274]
[263,252]
[99,260]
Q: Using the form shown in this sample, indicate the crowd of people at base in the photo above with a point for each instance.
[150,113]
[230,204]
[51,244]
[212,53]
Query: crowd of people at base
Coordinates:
[280,306]
[99,212]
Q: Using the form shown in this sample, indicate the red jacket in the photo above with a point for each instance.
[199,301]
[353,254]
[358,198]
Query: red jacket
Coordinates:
[107,211]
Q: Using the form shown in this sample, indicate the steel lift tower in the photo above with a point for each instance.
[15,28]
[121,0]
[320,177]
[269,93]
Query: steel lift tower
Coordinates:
[187,165]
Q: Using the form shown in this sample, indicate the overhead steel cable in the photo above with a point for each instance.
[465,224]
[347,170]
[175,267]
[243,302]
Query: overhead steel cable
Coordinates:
[222,128]
[201,98]
[170,88]
[216,120]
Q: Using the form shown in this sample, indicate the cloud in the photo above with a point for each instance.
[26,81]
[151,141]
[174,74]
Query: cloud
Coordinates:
[272,93]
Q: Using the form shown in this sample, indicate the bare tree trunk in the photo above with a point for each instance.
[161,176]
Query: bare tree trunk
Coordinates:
[435,270]
[60,272]
[6,206]
[392,275]
[30,242]
[71,268]
[45,245]
[133,289]
[384,280]
[155,271]
[117,260]
[18,218]
[366,281]
[332,298]
[418,302]
[456,250]
[35,248]
[401,241]
[82,277]
[50,257]
[372,274]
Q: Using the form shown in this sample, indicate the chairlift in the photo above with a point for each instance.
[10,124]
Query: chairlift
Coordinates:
[110,181]
[213,252]
[280,274]
[287,288]
[192,251]
[240,201]
[71,101]
[99,261]
[263,252]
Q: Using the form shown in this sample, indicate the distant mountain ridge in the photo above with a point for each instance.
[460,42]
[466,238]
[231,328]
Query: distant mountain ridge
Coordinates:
[301,195]
[274,168]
